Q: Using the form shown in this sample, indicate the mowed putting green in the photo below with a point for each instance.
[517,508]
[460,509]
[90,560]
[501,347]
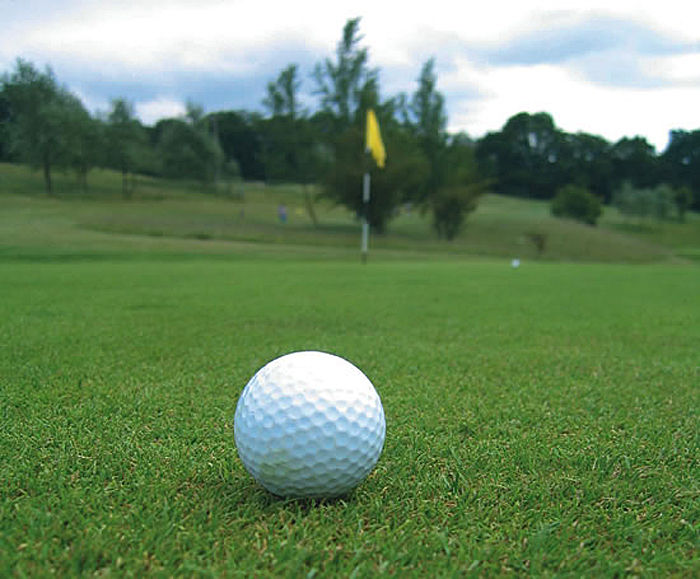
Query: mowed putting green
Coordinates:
[539,420]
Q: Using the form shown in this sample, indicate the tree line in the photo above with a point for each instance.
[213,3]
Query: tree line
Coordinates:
[42,123]
[532,157]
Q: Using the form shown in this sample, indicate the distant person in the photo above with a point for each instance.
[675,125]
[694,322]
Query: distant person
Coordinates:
[282,213]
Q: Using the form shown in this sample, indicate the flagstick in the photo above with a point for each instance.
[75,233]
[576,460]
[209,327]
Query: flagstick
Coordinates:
[365,216]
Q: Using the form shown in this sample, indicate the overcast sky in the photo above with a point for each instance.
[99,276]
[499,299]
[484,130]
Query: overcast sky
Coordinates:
[609,67]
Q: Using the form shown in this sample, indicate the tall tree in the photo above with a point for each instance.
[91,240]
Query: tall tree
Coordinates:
[347,85]
[460,188]
[36,111]
[188,147]
[429,123]
[291,144]
[281,131]
[4,126]
[453,184]
[241,142]
[125,137]
[428,108]
[634,160]
[83,139]
[681,165]
[523,158]
[586,160]
[282,98]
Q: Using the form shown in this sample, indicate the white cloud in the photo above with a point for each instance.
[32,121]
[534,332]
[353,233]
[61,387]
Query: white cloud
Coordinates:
[575,105]
[209,33]
[155,42]
[147,35]
[682,69]
[152,111]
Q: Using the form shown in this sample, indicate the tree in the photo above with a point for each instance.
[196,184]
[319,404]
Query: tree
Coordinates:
[188,148]
[645,203]
[403,176]
[683,198]
[188,153]
[291,147]
[347,86]
[681,163]
[4,126]
[83,139]
[37,117]
[282,98]
[586,161]
[282,133]
[124,138]
[240,140]
[418,166]
[460,190]
[634,160]
[664,202]
[523,158]
[453,185]
[429,122]
[575,202]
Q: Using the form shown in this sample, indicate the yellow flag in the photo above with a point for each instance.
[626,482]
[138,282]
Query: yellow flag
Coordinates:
[373,139]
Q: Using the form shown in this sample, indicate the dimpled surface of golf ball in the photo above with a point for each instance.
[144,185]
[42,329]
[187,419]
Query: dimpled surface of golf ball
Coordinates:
[309,424]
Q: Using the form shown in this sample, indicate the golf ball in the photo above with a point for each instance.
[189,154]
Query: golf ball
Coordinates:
[309,424]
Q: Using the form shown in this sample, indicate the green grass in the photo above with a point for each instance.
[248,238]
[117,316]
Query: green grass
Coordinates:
[167,217]
[540,420]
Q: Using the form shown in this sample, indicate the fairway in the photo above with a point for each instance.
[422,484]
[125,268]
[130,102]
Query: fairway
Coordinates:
[540,420]
[176,218]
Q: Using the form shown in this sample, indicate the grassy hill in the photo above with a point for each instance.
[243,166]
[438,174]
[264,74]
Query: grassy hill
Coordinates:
[167,217]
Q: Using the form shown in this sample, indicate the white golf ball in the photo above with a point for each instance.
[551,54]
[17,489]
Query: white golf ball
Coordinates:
[309,424]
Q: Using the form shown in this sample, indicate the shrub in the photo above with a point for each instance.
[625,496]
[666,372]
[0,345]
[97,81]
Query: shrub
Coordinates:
[663,203]
[574,202]
[450,207]
[657,203]
[683,198]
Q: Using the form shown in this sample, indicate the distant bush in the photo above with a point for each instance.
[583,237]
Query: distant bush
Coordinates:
[683,197]
[450,208]
[658,203]
[574,202]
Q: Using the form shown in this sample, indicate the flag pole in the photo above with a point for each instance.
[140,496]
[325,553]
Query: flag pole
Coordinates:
[374,146]
[365,216]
